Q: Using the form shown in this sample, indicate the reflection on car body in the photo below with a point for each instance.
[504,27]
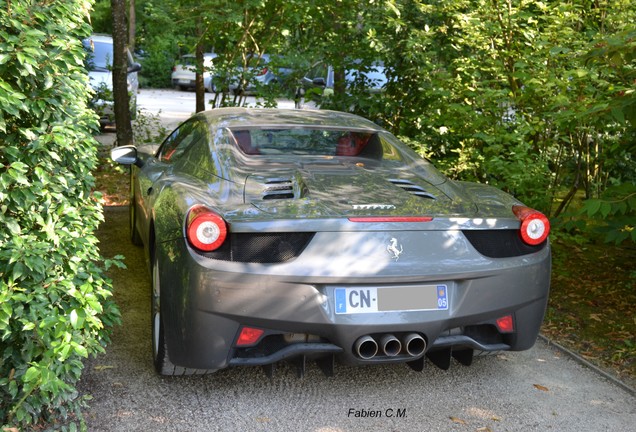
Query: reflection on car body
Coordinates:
[298,234]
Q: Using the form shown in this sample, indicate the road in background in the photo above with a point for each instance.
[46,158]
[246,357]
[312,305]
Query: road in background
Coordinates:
[176,106]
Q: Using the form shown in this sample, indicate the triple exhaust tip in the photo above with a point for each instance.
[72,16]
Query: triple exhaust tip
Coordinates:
[366,347]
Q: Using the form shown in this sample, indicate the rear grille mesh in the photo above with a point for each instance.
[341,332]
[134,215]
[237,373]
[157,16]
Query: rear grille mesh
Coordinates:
[500,243]
[412,188]
[264,248]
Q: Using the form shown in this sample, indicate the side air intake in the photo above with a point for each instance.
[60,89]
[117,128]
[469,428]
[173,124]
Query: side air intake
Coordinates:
[278,188]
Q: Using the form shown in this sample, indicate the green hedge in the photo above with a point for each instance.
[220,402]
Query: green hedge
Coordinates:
[55,304]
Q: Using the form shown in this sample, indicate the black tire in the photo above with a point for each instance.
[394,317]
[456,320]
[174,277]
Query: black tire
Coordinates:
[161,358]
[135,237]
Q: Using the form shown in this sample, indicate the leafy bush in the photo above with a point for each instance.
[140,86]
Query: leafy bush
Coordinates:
[101,98]
[148,129]
[158,63]
[613,215]
[55,304]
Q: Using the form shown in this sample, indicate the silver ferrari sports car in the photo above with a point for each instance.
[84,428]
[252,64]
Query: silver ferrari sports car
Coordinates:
[295,234]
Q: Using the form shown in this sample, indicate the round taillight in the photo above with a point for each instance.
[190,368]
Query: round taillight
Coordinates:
[535,226]
[205,229]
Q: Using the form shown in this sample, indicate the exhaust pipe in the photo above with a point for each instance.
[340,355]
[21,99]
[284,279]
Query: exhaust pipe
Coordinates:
[391,346]
[415,344]
[366,347]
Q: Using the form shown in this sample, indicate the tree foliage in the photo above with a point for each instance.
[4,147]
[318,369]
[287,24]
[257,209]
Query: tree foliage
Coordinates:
[534,97]
[55,306]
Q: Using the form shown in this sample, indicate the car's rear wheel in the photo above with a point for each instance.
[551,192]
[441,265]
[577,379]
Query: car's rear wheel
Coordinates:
[161,359]
[135,237]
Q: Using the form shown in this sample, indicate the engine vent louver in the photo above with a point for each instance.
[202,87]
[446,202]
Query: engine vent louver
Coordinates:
[412,188]
[278,188]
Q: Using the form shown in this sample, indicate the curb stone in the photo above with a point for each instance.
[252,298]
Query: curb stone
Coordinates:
[576,357]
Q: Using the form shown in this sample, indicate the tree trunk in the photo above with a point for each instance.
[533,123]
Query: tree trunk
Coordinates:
[120,73]
[132,19]
[199,86]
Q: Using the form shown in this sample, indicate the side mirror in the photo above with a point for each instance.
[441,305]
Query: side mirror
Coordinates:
[125,155]
[135,67]
[320,82]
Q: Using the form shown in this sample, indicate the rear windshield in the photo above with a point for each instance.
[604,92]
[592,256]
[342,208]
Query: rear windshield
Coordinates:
[309,142]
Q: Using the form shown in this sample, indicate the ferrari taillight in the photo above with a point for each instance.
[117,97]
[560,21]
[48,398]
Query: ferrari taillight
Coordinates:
[262,72]
[205,230]
[535,226]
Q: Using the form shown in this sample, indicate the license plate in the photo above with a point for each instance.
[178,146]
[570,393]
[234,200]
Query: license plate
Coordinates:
[184,81]
[394,299]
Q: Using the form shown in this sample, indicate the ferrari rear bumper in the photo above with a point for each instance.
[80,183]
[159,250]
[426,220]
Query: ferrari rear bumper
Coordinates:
[205,308]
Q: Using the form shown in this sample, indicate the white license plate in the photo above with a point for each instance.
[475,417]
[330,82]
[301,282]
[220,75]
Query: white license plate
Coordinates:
[393,299]
[184,81]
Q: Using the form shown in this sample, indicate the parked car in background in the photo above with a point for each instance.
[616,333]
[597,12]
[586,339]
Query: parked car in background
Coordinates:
[99,62]
[321,77]
[304,234]
[246,78]
[184,72]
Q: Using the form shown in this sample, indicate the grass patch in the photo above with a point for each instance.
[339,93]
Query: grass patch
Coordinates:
[111,180]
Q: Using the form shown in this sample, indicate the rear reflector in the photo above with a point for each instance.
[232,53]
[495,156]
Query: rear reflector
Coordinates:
[205,230]
[535,226]
[249,336]
[391,219]
[506,324]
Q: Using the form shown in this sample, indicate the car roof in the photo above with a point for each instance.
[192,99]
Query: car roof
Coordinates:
[246,118]
[104,38]
[213,55]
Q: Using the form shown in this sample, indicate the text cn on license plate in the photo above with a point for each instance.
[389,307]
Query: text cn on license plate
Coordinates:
[391,299]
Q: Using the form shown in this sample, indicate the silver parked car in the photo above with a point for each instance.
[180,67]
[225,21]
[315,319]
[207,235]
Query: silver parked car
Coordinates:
[183,73]
[321,76]
[297,234]
[99,62]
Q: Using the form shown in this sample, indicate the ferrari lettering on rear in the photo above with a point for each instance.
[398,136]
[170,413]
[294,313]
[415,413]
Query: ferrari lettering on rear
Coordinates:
[373,206]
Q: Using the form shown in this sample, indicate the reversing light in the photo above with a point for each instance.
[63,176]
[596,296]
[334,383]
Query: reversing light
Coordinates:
[249,336]
[506,324]
[205,230]
[535,226]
